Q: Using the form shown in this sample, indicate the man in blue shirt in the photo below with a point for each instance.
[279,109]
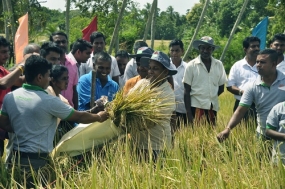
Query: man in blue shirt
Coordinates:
[105,86]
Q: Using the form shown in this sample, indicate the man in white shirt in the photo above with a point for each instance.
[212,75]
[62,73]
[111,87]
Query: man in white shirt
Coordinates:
[131,68]
[204,80]
[122,58]
[176,50]
[278,43]
[97,39]
[244,72]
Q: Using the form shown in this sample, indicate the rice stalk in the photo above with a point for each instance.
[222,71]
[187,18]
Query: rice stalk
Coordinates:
[141,109]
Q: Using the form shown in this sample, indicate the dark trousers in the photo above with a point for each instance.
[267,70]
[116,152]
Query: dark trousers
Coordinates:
[30,167]
[181,118]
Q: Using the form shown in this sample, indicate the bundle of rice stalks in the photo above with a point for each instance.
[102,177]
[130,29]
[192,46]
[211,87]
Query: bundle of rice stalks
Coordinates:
[143,108]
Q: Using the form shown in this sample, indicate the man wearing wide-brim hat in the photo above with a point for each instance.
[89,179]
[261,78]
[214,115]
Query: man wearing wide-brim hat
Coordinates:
[204,80]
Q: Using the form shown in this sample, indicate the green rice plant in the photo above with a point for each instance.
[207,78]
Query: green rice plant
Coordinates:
[197,160]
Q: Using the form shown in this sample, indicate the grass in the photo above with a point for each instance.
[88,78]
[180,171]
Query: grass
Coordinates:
[197,160]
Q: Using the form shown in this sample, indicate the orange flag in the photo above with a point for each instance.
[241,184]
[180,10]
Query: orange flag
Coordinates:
[21,38]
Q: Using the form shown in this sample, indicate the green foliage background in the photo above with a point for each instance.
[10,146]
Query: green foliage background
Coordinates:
[170,24]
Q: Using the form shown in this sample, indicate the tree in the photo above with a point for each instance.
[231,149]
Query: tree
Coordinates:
[116,29]
[150,16]
[153,23]
[67,18]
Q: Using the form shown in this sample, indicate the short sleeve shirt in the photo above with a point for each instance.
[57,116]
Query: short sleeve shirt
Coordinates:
[84,90]
[3,92]
[276,121]
[241,74]
[73,80]
[281,66]
[131,70]
[179,87]
[204,84]
[33,116]
[264,97]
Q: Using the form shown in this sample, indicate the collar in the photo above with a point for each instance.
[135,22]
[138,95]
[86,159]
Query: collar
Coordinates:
[97,79]
[280,76]
[245,63]
[108,81]
[71,58]
[33,87]
[183,64]
[198,60]
[66,61]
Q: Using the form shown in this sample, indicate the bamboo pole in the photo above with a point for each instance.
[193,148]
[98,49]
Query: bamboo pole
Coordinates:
[117,26]
[153,23]
[148,21]
[197,28]
[234,29]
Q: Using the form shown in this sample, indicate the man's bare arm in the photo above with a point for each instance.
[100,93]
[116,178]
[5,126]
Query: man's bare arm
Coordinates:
[5,123]
[11,79]
[275,135]
[221,89]
[235,119]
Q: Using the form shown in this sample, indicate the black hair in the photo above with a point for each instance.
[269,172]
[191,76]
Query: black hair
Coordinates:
[34,66]
[96,35]
[273,55]
[246,42]
[139,44]
[4,42]
[81,45]
[57,71]
[177,42]
[122,53]
[48,47]
[278,36]
[31,48]
[102,56]
[57,33]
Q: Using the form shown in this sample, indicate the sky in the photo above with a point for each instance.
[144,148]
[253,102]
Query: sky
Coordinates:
[179,6]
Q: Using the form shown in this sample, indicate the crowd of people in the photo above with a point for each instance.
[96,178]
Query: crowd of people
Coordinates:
[52,88]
